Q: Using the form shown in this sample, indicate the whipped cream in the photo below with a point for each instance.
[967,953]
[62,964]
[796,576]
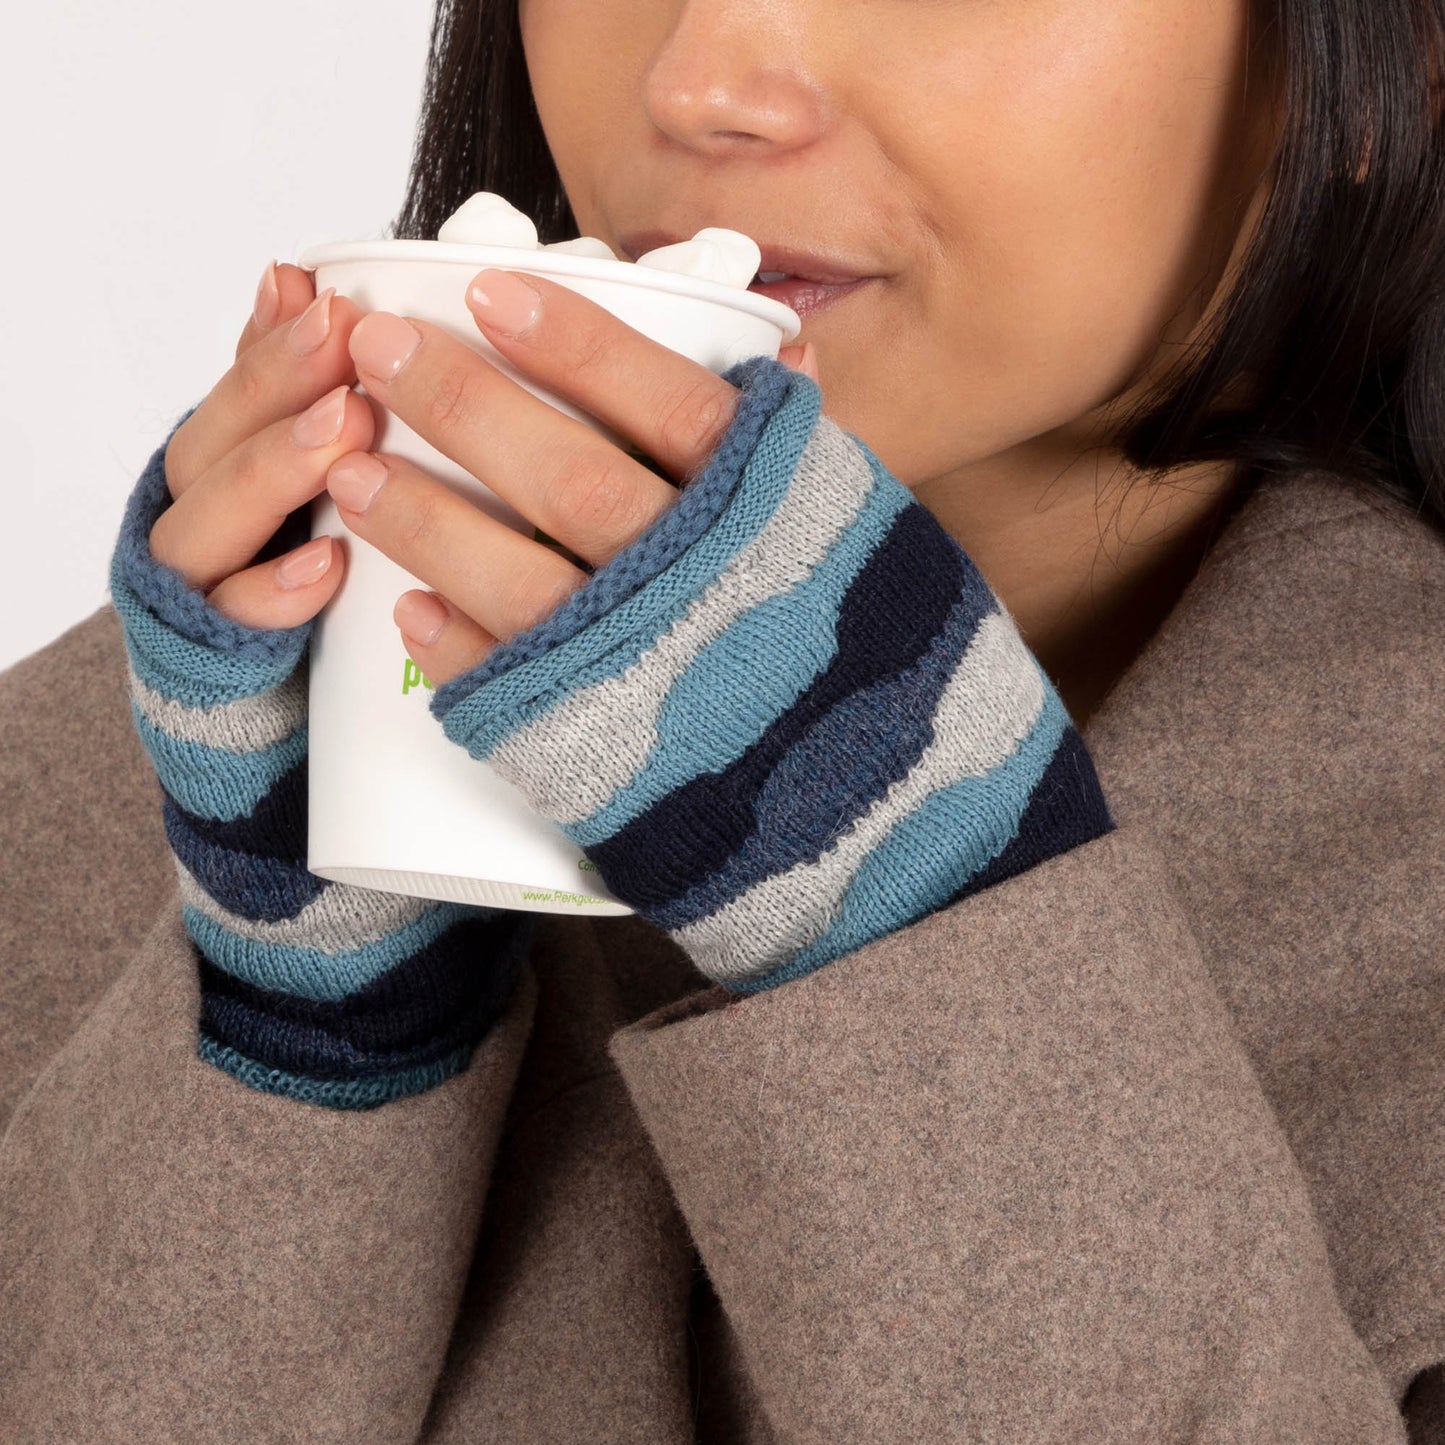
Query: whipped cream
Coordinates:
[713,254]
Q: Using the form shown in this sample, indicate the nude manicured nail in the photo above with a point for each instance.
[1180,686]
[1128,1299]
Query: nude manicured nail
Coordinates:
[356,481]
[382,344]
[267,306]
[321,423]
[306,564]
[311,328]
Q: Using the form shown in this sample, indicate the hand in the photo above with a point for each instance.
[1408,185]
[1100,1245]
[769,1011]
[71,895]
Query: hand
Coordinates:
[235,469]
[489,582]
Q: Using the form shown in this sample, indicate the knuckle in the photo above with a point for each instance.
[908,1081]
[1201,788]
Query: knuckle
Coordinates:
[592,352]
[179,471]
[696,420]
[592,495]
[537,592]
[249,383]
[247,472]
[419,521]
[449,404]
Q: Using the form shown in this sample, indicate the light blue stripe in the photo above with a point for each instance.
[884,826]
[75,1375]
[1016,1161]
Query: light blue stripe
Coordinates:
[745,679]
[309,972]
[364,1093]
[614,642]
[933,852]
[190,672]
[216,783]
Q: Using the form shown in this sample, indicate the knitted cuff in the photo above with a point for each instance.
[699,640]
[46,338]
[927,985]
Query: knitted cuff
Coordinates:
[341,996]
[791,718]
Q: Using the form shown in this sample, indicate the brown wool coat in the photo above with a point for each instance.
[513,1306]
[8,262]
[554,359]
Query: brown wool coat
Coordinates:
[1146,1144]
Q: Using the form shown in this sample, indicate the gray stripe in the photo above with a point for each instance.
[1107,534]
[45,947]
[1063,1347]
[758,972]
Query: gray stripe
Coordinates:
[341,918]
[991,704]
[245,726]
[577,755]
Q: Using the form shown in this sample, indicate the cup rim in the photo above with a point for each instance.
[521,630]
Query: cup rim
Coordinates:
[594,268]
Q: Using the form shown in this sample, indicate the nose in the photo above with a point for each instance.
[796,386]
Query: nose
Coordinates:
[731,78]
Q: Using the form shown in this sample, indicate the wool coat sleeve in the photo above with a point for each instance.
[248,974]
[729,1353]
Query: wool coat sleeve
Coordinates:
[977,1154]
[1006,1175]
[181,1253]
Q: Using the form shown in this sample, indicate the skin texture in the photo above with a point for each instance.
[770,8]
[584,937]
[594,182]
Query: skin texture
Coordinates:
[1057,193]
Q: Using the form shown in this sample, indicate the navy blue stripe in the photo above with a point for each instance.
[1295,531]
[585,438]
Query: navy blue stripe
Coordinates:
[835,773]
[1067,809]
[274,828]
[446,994]
[897,605]
[254,865]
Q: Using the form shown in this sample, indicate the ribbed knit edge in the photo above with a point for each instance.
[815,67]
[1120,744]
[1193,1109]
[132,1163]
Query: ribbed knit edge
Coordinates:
[166,593]
[765,384]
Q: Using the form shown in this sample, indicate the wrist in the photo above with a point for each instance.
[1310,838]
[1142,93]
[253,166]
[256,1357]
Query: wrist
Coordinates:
[814,727]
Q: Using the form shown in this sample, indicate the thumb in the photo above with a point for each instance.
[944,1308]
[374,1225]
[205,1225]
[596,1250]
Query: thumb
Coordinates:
[802,358]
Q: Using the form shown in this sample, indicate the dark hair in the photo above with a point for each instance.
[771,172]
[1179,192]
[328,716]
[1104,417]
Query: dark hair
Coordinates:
[1336,323]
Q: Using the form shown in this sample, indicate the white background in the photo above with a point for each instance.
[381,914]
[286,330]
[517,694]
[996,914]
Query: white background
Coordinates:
[154,156]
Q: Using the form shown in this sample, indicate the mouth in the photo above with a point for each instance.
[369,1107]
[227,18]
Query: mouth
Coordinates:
[802,296]
[804,281]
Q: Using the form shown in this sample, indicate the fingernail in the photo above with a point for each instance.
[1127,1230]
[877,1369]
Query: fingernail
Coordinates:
[320,424]
[420,615]
[312,326]
[505,302]
[267,306]
[306,564]
[356,480]
[382,344]
[809,360]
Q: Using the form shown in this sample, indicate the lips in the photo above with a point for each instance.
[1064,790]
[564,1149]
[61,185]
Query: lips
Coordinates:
[787,263]
[806,297]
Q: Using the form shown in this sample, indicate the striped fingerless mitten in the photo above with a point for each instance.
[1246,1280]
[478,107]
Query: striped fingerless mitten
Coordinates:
[340,996]
[791,717]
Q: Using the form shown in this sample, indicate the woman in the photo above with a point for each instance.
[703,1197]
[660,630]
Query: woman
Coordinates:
[1022,754]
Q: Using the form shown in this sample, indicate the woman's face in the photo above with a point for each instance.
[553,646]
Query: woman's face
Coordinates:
[1050,188]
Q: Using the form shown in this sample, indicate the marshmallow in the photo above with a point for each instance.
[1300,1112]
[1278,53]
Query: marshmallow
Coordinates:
[713,254]
[487,219]
[584,246]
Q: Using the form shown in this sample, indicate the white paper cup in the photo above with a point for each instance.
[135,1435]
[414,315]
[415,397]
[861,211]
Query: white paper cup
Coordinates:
[394,803]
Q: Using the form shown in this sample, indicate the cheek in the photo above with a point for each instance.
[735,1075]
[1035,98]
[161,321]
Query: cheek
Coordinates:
[577,100]
[1063,171]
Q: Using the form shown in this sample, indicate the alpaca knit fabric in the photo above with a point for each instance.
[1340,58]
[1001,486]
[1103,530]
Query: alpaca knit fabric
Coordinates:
[792,717]
[341,996]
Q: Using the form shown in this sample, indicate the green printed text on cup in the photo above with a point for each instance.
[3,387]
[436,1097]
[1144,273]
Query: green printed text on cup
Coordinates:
[412,676]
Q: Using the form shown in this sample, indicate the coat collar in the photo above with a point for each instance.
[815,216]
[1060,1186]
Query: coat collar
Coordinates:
[1304,659]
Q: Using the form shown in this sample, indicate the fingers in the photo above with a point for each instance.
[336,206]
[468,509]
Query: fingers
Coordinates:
[556,471]
[284,291]
[505,582]
[802,358]
[219,524]
[285,592]
[280,374]
[443,641]
[670,406]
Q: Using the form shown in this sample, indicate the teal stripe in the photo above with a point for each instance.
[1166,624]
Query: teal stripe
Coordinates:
[364,1093]
[310,972]
[190,672]
[614,642]
[215,782]
[743,681]
[934,851]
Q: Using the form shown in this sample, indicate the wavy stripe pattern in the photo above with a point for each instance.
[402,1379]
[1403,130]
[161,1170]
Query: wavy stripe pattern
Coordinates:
[813,727]
[333,995]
